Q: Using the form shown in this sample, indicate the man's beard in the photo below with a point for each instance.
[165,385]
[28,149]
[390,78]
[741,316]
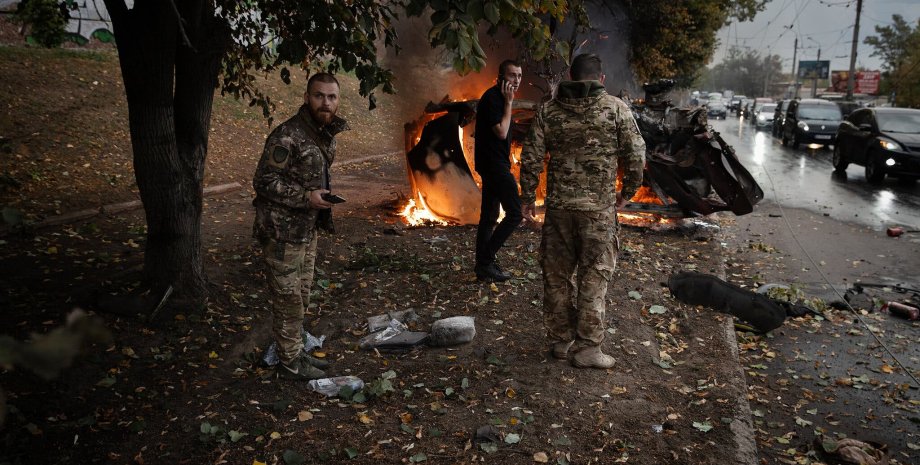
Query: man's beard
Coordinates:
[321,117]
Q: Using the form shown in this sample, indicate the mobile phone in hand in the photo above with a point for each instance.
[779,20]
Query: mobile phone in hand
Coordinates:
[332,198]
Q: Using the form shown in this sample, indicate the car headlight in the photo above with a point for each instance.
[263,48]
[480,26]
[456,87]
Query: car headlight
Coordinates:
[889,144]
[803,126]
[761,118]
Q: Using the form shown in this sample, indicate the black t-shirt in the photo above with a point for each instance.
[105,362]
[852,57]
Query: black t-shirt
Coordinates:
[492,153]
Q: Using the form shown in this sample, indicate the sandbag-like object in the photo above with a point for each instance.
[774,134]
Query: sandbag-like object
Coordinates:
[452,331]
[702,289]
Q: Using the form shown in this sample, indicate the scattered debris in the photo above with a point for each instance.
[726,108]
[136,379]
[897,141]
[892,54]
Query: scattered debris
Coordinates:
[331,386]
[310,342]
[853,451]
[452,331]
[707,290]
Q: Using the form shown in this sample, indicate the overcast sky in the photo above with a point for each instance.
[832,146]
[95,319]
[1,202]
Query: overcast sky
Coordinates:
[824,24]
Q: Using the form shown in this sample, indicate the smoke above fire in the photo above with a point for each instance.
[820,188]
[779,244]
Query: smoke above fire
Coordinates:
[425,74]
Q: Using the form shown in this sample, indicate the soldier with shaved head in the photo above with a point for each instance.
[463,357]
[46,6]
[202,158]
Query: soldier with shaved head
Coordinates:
[586,133]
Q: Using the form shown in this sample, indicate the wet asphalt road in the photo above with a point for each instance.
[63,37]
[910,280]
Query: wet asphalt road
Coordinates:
[828,232]
[804,178]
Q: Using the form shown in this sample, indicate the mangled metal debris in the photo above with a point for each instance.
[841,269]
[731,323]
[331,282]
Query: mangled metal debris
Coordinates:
[691,171]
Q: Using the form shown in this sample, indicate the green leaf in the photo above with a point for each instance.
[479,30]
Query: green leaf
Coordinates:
[634,295]
[351,452]
[236,435]
[563,441]
[475,9]
[512,438]
[657,309]
[12,216]
[206,427]
[448,392]
[420,457]
[488,447]
[388,374]
[464,383]
[704,426]
[293,458]
[491,13]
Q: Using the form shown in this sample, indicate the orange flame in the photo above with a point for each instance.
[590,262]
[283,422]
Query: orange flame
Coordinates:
[419,214]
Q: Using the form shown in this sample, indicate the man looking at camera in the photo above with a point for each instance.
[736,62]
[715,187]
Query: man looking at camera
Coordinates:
[493,163]
[292,192]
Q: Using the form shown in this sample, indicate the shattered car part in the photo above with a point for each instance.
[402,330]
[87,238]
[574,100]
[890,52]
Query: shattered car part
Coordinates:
[690,171]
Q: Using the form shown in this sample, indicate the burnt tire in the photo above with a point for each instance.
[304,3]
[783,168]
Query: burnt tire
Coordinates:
[839,160]
[875,171]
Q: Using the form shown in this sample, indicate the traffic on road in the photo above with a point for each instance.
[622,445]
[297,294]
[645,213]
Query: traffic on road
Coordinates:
[803,173]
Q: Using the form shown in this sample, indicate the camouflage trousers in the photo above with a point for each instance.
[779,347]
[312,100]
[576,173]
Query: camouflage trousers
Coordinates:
[578,254]
[289,269]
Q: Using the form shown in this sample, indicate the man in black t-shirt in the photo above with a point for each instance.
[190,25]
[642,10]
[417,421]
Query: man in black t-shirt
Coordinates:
[493,163]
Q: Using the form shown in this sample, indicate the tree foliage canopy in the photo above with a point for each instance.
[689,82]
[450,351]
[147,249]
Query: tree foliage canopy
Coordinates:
[898,45]
[744,71]
[344,36]
[675,39]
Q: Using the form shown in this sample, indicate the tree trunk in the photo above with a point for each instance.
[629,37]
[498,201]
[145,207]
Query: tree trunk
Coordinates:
[170,89]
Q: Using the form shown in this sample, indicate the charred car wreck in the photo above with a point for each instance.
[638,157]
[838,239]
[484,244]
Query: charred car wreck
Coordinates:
[690,170]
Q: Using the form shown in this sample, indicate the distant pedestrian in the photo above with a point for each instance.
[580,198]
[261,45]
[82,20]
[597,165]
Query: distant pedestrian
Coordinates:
[292,185]
[493,163]
[586,132]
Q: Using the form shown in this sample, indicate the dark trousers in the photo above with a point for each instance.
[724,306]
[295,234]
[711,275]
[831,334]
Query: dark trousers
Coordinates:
[498,189]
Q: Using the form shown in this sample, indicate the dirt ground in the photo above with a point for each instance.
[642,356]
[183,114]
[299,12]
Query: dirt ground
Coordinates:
[185,388]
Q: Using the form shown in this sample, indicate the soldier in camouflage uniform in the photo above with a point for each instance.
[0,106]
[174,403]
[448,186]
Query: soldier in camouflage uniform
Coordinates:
[290,183]
[586,132]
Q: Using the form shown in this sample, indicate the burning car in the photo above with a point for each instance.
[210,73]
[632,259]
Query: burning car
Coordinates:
[690,170]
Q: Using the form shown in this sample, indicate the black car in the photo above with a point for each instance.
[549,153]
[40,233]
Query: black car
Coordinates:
[811,121]
[884,140]
[716,110]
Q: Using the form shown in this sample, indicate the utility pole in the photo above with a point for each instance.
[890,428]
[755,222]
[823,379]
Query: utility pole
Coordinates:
[851,76]
[766,76]
[795,76]
[814,82]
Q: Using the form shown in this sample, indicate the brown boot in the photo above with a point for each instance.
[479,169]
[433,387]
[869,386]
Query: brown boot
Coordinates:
[592,357]
[560,350]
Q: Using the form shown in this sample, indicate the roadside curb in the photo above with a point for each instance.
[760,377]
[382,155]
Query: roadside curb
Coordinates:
[741,425]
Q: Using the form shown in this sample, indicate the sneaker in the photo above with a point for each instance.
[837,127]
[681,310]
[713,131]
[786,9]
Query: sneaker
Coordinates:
[318,363]
[299,369]
[491,273]
[592,357]
[560,350]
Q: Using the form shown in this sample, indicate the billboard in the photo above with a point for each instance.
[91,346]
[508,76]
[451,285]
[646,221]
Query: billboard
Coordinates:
[814,69]
[866,82]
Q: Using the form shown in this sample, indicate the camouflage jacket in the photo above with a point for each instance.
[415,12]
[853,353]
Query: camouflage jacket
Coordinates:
[295,161]
[586,131]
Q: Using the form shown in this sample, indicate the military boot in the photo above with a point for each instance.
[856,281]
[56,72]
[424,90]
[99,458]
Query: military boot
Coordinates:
[592,357]
[560,350]
[299,369]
